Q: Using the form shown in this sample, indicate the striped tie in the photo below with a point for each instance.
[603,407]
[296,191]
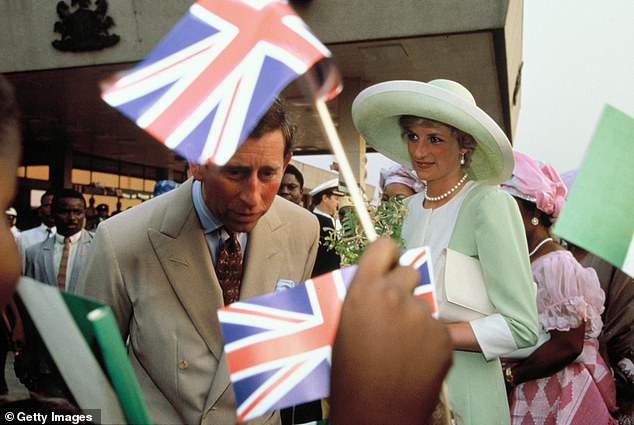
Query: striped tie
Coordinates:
[229,268]
[61,274]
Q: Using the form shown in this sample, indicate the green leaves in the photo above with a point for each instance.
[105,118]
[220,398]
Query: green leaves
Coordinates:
[350,241]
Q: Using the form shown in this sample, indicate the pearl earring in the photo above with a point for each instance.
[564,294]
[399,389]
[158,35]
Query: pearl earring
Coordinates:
[462,158]
[534,221]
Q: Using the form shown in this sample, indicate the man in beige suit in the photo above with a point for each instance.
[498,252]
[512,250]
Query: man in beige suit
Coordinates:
[155,265]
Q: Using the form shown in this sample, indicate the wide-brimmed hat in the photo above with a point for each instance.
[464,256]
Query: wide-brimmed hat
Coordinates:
[377,109]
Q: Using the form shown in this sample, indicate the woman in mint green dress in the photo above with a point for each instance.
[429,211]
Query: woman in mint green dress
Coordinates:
[461,154]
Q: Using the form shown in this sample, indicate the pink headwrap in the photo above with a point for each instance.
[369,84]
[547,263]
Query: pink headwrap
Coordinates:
[536,182]
[400,174]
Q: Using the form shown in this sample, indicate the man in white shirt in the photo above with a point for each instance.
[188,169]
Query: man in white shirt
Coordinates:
[57,260]
[38,234]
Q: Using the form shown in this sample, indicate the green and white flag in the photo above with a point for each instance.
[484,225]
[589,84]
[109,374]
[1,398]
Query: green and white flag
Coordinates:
[69,323]
[599,212]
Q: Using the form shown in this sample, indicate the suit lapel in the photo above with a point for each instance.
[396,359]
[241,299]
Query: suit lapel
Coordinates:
[78,261]
[48,252]
[262,259]
[182,250]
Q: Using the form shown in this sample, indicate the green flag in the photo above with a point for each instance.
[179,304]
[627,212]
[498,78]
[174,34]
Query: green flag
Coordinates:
[599,212]
[69,323]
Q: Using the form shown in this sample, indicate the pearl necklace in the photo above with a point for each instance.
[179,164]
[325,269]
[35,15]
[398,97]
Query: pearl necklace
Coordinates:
[539,245]
[444,195]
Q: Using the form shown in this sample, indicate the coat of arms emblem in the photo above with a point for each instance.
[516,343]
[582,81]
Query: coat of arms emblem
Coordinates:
[85,28]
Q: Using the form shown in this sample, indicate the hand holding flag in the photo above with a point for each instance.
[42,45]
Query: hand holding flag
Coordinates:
[278,346]
[390,356]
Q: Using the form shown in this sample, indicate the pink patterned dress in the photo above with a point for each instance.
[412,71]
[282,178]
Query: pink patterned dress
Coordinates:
[583,392]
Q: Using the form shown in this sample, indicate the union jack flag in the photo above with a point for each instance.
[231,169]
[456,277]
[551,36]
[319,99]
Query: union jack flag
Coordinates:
[278,346]
[204,87]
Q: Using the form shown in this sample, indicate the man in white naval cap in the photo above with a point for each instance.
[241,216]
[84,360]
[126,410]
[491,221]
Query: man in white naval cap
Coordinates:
[325,205]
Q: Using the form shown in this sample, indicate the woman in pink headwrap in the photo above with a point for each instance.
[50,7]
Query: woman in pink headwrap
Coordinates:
[399,181]
[565,380]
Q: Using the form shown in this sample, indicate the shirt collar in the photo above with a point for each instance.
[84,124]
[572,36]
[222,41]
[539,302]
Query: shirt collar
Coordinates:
[73,238]
[208,220]
[316,210]
[45,229]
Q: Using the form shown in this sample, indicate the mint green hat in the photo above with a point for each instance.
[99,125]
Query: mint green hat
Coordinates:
[377,109]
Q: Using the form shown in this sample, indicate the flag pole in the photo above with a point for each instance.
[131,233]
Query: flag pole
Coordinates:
[344,167]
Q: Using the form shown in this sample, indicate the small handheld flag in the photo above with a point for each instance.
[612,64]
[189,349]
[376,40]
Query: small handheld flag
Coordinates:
[278,346]
[204,87]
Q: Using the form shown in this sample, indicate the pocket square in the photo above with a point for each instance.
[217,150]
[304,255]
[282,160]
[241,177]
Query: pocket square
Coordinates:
[284,284]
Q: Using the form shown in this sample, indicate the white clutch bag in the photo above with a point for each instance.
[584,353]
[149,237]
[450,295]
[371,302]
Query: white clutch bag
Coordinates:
[460,288]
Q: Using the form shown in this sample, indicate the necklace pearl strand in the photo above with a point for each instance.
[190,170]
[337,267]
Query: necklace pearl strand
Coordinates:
[539,245]
[444,195]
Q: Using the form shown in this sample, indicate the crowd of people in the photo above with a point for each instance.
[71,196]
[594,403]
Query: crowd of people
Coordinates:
[535,344]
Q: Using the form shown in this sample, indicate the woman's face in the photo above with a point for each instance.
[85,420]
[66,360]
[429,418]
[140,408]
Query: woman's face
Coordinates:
[399,190]
[434,151]
[290,188]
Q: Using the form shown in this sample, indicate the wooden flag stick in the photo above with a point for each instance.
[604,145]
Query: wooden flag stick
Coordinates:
[344,167]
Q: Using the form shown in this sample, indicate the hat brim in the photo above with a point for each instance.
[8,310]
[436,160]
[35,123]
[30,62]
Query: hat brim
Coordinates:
[377,109]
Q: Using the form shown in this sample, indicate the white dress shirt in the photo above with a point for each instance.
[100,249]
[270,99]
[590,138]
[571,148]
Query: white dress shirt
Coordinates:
[212,227]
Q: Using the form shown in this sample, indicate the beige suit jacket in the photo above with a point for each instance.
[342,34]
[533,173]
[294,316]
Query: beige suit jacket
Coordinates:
[151,264]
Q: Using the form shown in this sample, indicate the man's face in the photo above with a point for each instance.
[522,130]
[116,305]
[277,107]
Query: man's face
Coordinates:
[69,216]
[242,190]
[102,212]
[290,189]
[46,211]
[329,204]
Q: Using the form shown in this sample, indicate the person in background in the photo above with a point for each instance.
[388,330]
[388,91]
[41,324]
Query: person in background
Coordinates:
[345,205]
[399,181]
[461,154]
[57,261]
[118,210]
[292,186]
[552,385]
[103,213]
[12,217]
[38,234]
[92,219]
[325,204]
